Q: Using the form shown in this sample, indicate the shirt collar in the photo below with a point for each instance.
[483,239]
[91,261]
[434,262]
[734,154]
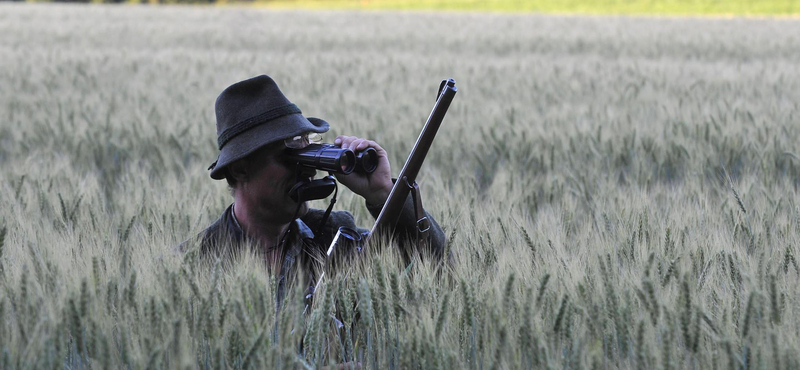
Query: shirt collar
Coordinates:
[303,230]
[233,216]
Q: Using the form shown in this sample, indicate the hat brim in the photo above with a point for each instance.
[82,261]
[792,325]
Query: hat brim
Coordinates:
[262,135]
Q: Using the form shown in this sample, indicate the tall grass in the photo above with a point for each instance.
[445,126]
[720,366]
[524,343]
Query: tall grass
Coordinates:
[617,192]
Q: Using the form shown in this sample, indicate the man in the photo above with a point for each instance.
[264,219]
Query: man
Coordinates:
[256,124]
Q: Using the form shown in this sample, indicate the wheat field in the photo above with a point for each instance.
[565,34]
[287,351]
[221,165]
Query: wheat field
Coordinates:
[618,192]
[653,7]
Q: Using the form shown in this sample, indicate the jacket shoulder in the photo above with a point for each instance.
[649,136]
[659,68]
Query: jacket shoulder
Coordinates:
[215,239]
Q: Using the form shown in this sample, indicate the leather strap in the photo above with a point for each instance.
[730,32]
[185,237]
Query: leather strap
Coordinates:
[423,224]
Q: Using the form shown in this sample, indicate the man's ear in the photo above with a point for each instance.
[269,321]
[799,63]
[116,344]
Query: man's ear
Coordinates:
[238,171]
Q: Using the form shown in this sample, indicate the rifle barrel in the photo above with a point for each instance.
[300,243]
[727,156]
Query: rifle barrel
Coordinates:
[390,213]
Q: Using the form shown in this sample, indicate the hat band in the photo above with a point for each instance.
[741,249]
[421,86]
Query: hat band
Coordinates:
[277,112]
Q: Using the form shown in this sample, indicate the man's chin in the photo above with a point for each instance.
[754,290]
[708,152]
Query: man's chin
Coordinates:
[289,211]
[301,211]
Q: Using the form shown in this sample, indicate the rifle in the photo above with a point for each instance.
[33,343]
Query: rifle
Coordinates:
[406,181]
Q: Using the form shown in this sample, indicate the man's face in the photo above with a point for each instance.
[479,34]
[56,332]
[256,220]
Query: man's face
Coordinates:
[270,177]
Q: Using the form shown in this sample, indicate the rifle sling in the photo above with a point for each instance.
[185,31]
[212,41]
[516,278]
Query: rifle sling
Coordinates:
[423,224]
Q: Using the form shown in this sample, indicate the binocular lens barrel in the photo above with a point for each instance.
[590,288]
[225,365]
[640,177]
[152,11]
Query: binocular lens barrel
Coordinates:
[326,157]
[367,160]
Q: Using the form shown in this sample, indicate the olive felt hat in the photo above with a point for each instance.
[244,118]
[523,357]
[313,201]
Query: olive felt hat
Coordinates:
[252,114]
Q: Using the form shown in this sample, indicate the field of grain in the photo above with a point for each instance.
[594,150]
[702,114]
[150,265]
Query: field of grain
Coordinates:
[659,7]
[618,192]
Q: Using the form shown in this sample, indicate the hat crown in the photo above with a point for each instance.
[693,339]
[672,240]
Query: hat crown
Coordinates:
[246,100]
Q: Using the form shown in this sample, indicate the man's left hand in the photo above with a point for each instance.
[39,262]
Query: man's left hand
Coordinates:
[374,187]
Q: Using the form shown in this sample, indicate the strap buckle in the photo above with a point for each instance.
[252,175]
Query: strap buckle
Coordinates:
[423,221]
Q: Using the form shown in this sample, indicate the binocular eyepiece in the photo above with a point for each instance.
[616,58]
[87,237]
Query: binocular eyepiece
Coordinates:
[327,157]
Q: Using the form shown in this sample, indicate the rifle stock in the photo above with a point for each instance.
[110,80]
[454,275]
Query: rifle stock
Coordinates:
[390,213]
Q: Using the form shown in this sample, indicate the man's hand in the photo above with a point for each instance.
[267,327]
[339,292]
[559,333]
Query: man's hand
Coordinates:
[374,187]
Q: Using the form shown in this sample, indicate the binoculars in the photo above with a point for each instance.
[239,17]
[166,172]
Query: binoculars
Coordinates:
[327,157]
